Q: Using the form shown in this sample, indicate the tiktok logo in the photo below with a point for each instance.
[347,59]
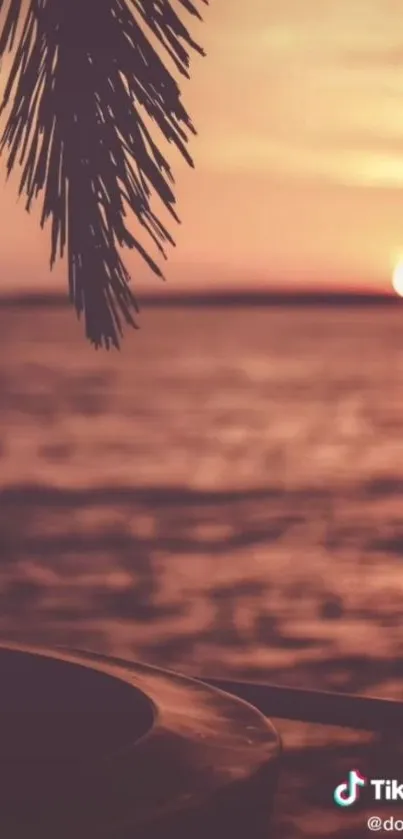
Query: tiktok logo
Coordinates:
[347,794]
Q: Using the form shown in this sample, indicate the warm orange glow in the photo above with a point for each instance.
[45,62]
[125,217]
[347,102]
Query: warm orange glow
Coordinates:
[397,279]
[298,178]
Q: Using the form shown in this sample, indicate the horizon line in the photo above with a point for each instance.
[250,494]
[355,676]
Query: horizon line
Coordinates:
[219,297]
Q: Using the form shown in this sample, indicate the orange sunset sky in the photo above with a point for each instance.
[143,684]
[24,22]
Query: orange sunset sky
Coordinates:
[299,158]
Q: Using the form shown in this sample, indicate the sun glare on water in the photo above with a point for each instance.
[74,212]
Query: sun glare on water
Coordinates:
[397,279]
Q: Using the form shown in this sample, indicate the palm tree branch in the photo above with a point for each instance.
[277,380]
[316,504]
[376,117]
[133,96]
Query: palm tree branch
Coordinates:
[89,87]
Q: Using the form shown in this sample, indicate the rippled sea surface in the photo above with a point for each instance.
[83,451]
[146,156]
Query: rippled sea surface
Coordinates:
[223,495]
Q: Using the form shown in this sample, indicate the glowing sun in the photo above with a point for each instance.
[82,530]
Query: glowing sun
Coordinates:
[397,279]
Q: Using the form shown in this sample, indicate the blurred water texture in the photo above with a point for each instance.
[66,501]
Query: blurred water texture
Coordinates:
[223,496]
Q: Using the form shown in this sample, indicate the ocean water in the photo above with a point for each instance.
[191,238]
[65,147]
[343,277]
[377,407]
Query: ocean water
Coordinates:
[223,495]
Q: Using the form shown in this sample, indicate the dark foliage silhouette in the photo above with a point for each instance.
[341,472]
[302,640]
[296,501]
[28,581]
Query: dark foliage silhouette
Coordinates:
[89,81]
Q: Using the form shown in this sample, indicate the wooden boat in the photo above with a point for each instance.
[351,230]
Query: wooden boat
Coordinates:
[94,747]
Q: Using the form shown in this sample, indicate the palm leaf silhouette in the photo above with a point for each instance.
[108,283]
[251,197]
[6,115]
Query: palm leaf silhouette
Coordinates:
[89,82]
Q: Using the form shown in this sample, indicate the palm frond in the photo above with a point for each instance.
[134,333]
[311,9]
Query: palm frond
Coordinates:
[90,81]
